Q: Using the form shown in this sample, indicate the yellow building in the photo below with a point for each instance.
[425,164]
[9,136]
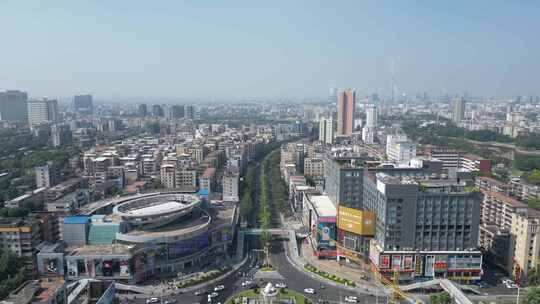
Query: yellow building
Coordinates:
[525,243]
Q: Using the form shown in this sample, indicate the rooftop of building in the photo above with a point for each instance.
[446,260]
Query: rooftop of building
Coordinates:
[323,205]
[111,249]
[36,291]
[505,199]
[78,219]
[491,180]
[11,222]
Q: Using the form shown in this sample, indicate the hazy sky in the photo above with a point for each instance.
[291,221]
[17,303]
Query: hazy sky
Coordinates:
[228,48]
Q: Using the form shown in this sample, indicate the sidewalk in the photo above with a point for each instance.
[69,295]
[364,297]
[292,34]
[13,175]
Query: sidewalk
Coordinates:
[352,272]
[160,290]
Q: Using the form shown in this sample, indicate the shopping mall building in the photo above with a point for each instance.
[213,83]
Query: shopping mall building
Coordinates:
[138,237]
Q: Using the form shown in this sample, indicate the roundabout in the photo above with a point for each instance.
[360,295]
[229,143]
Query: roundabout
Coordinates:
[269,294]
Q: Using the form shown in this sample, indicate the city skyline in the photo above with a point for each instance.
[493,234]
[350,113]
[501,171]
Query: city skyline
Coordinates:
[184,50]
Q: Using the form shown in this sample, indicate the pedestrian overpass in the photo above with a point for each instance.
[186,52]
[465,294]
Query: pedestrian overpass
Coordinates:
[450,287]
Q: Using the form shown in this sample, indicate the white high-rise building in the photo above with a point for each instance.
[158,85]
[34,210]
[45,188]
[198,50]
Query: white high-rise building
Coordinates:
[458,113]
[167,174]
[326,130]
[231,187]
[368,135]
[372,116]
[46,176]
[399,149]
[41,111]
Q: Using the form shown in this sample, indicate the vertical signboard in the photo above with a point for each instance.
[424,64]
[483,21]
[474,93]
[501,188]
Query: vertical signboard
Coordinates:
[385,262]
[430,266]
[396,262]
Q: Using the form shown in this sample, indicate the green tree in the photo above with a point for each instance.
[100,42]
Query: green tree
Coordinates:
[440,298]
[246,206]
[152,127]
[534,277]
[533,177]
[533,296]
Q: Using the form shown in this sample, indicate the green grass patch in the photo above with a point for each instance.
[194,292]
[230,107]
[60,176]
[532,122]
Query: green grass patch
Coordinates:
[329,276]
[267,268]
[210,275]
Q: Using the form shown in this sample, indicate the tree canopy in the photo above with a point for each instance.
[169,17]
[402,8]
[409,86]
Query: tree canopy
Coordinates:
[533,296]
[440,298]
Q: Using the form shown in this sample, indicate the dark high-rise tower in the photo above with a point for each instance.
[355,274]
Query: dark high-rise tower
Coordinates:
[83,104]
[13,106]
[143,110]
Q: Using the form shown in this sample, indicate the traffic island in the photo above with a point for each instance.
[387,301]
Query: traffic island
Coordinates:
[203,277]
[328,276]
[269,294]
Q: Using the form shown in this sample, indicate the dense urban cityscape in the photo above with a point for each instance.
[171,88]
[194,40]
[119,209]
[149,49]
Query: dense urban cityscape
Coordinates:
[379,188]
[375,196]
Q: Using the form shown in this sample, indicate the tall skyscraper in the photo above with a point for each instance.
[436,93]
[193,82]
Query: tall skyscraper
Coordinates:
[458,113]
[174,112]
[41,111]
[13,106]
[372,116]
[326,130]
[189,112]
[143,110]
[346,104]
[157,110]
[83,104]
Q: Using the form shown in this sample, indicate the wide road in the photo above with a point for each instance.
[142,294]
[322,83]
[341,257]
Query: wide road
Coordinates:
[299,280]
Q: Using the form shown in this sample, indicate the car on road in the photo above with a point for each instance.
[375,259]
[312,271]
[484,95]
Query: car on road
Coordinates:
[171,301]
[281,285]
[309,290]
[200,292]
[511,285]
[247,283]
[351,299]
[482,285]
[213,295]
[219,287]
[152,300]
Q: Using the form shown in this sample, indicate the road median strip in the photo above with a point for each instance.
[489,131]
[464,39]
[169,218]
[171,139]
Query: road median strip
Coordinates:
[329,276]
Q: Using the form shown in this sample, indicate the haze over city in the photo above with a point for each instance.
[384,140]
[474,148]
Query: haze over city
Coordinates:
[240,49]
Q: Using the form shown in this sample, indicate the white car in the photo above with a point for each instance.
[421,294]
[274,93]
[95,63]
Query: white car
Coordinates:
[213,294]
[152,300]
[511,285]
[247,283]
[309,290]
[351,299]
[219,287]
[281,285]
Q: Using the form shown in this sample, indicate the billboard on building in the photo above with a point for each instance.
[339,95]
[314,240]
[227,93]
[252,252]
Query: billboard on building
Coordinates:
[385,262]
[396,262]
[73,270]
[326,234]
[52,266]
[356,221]
[408,262]
[124,268]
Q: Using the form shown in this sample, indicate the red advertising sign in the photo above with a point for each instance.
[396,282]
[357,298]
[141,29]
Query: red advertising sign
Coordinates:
[385,262]
[408,262]
[440,265]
